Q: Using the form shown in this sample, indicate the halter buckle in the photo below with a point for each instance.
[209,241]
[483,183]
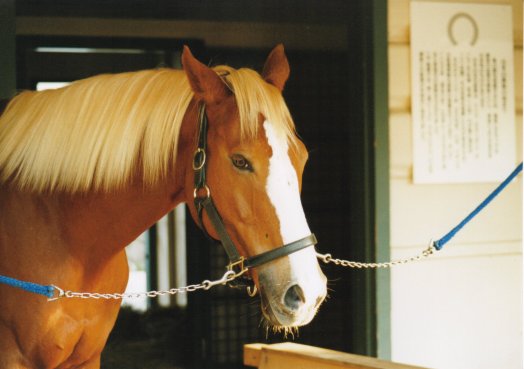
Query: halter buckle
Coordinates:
[239,266]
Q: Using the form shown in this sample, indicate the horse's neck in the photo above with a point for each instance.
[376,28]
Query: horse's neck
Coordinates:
[112,221]
[88,229]
[108,222]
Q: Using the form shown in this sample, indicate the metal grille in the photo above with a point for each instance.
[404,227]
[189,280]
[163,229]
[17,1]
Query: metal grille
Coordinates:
[234,318]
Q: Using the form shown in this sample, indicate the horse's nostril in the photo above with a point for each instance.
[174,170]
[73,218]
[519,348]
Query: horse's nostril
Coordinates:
[294,297]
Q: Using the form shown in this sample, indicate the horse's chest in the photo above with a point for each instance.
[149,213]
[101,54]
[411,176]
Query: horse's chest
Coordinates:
[75,338]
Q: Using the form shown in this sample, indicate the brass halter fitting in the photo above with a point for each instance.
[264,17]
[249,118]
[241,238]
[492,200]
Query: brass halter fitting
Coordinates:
[199,159]
[238,267]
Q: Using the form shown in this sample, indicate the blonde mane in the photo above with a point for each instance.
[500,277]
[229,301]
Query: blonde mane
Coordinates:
[93,134]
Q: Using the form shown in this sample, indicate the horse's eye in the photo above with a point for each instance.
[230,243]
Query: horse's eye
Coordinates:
[241,162]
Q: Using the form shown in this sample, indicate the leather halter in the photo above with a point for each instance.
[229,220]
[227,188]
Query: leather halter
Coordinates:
[204,202]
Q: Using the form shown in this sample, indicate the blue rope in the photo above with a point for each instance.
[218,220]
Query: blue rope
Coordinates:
[29,286]
[439,244]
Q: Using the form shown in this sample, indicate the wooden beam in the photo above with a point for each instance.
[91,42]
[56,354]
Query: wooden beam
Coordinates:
[215,34]
[7,45]
[290,355]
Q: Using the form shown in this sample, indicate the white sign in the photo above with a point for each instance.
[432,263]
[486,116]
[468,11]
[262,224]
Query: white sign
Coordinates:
[462,92]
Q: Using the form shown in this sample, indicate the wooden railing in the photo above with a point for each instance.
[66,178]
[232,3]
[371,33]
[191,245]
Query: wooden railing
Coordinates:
[295,356]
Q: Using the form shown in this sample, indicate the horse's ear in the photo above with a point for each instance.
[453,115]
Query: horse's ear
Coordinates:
[276,68]
[204,82]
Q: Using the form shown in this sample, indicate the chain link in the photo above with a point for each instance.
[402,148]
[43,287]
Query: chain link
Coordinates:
[327,258]
[228,277]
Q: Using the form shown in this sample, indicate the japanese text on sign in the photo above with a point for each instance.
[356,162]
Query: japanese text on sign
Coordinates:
[462,92]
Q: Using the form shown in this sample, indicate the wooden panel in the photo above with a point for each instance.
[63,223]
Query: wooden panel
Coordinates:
[420,212]
[458,313]
[454,250]
[398,21]
[290,355]
[399,69]
[400,146]
[399,74]
[398,18]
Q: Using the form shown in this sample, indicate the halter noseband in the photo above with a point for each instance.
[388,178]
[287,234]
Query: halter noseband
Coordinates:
[203,201]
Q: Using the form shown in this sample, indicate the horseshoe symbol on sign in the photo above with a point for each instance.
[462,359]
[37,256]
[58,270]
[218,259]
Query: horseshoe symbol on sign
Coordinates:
[468,18]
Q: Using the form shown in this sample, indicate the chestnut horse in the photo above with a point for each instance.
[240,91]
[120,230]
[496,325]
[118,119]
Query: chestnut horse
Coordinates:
[87,168]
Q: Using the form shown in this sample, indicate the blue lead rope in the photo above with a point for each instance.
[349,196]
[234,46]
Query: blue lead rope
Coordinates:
[49,291]
[439,244]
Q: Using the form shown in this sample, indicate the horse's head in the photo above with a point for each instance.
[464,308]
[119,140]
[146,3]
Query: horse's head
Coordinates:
[254,172]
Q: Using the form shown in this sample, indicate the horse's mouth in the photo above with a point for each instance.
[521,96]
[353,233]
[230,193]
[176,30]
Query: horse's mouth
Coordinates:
[279,316]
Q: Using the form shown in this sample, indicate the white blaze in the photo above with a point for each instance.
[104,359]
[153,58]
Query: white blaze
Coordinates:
[283,191]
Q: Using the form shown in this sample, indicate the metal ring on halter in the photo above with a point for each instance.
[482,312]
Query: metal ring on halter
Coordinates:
[208,192]
[252,292]
[202,161]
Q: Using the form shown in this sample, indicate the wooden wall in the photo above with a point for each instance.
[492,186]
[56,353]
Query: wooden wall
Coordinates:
[462,308]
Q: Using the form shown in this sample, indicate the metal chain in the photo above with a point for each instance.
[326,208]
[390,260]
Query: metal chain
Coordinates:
[327,258]
[228,277]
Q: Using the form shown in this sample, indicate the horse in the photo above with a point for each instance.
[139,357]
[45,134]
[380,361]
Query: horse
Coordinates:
[86,168]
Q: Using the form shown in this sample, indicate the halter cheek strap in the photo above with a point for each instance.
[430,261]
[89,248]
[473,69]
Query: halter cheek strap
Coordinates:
[204,202]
